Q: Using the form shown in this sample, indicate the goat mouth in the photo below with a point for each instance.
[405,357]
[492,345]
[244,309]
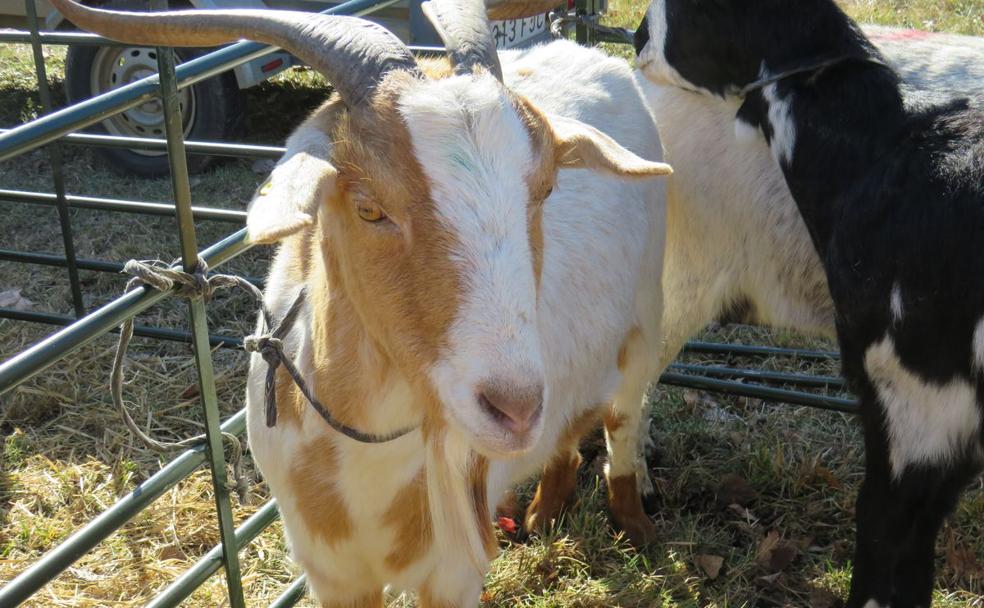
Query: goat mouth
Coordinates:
[509,425]
[494,438]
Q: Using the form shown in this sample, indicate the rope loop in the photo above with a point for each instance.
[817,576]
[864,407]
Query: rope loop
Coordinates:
[164,277]
[270,346]
[193,285]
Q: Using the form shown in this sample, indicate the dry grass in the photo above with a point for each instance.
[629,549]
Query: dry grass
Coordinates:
[734,476]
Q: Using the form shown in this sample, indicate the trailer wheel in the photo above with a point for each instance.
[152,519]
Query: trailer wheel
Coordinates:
[211,110]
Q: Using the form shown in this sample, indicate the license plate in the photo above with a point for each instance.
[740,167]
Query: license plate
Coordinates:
[514,32]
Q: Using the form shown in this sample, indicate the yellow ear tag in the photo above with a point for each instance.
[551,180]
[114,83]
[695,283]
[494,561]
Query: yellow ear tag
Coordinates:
[265,188]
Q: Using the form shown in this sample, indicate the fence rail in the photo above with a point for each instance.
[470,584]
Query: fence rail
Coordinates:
[59,126]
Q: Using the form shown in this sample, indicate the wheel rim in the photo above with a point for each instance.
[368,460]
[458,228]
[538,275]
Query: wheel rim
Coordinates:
[113,67]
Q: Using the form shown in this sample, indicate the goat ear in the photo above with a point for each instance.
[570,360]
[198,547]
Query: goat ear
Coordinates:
[289,199]
[579,145]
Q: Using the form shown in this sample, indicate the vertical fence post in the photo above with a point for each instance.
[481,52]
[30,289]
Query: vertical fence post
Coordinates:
[199,324]
[55,156]
[581,32]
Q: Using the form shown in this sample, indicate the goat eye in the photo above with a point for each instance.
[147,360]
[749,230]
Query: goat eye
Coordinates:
[371,213]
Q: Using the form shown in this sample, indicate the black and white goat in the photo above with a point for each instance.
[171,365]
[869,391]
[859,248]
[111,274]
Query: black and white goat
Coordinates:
[891,188]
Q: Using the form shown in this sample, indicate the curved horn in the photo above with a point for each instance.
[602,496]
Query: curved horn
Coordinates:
[466,33]
[518,9]
[352,53]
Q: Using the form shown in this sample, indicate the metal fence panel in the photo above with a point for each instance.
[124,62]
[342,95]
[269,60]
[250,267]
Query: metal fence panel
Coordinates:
[58,125]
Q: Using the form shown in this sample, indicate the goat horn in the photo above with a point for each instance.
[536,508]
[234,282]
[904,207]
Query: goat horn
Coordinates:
[465,31]
[352,53]
[518,9]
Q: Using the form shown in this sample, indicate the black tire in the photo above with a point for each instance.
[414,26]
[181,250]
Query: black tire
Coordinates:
[212,109]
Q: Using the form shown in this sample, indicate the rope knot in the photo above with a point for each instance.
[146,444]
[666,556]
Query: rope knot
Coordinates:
[162,277]
[269,347]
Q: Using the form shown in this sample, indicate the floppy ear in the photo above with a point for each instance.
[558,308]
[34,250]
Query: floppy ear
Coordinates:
[289,199]
[579,145]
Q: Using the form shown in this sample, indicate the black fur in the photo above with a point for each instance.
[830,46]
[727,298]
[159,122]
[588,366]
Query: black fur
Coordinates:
[892,191]
[641,36]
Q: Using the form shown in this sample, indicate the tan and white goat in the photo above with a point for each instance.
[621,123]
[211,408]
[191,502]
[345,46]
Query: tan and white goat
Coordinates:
[479,263]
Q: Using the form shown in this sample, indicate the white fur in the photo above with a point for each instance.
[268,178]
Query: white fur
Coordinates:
[291,195]
[476,153]
[978,347]
[927,423]
[603,240]
[652,59]
[875,604]
[746,133]
[895,302]
[783,129]
[733,228]
[596,286]
[931,60]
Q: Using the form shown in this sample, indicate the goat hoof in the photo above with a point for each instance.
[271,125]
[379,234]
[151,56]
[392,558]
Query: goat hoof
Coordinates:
[638,529]
[543,512]
[554,493]
[650,503]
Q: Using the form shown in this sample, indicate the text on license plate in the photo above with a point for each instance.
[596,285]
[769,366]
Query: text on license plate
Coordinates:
[511,33]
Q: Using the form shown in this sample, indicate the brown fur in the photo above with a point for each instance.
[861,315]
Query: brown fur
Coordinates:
[410,516]
[313,488]
[542,176]
[556,487]
[509,506]
[426,599]
[626,508]
[290,402]
[613,420]
[555,491]
[382,297]
[372,600]
[478,479]
[383,294]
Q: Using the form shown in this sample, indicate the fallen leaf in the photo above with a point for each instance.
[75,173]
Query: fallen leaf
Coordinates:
[191,392]
[169,552]
[12,298]
[822,598]
[783,555]
[804,543]
[710,565]
[764,552]
[828,477]
[86,575]
[961,560]
[735,490]
[769,579]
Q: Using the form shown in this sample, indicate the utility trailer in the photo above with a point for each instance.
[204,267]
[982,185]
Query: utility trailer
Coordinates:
[212,110]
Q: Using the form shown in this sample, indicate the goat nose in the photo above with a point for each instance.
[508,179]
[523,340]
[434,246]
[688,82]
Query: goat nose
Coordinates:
[516,408]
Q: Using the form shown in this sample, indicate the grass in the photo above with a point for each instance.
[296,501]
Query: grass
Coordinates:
[767,488]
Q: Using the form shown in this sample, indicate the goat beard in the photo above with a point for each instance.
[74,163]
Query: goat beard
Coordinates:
[456,491]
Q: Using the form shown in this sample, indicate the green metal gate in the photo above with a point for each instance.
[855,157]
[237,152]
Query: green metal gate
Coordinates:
[83,328]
